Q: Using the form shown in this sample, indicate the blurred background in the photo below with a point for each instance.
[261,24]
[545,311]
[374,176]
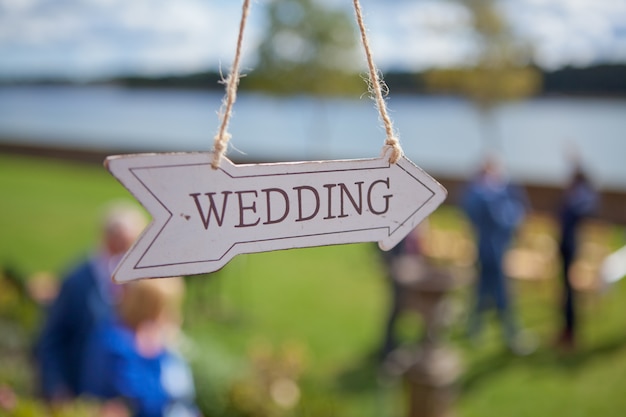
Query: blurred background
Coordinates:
[541,83]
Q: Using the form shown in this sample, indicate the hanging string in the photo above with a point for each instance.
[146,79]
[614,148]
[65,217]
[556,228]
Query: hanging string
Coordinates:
[376,88]
[232,82]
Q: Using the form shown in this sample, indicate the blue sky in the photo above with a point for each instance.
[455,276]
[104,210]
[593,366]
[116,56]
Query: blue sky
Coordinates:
[91,38]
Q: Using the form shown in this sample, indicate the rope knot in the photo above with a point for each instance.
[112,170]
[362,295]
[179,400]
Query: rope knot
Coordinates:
[392,145]
[219,148]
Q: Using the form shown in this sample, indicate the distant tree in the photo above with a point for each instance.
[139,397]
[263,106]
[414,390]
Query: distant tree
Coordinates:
[501,71]
[307,48]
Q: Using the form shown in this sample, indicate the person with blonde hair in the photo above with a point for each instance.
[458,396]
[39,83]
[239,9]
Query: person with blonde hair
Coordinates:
[131,361]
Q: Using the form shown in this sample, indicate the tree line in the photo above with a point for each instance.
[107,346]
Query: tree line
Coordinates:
[600,80]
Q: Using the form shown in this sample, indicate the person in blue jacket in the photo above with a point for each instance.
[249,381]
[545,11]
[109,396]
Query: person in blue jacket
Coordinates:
[86,298]
[131,362]
[580,201]
[495,208]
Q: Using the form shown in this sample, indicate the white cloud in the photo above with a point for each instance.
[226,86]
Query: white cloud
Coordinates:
[571,32]
[418,35]
[96,37]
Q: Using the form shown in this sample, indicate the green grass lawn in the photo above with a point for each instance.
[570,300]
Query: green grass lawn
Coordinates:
[316,315]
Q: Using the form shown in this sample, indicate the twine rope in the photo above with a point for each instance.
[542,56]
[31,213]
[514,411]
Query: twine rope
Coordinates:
[376,85]
[232,82]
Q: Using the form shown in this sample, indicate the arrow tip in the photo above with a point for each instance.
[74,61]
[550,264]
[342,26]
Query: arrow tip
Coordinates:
[437,194]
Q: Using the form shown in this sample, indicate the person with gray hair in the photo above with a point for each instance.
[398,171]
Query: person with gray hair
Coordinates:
[86,298]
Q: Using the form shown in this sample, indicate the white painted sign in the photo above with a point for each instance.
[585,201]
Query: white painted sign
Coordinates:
[203,217]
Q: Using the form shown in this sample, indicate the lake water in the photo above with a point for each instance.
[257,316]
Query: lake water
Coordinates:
[440,134]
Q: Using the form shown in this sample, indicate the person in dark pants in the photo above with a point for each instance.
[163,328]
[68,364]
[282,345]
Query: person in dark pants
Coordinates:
[579,201]
[495,208]
[86,298]
[409,246]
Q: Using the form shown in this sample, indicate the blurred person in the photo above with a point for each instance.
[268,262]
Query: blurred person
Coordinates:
[86,298]
[495,208]
[131,363]
[409,246]
[579,201]
[8,398]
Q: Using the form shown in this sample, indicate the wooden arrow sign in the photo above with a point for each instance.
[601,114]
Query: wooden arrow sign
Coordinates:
[203,217]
